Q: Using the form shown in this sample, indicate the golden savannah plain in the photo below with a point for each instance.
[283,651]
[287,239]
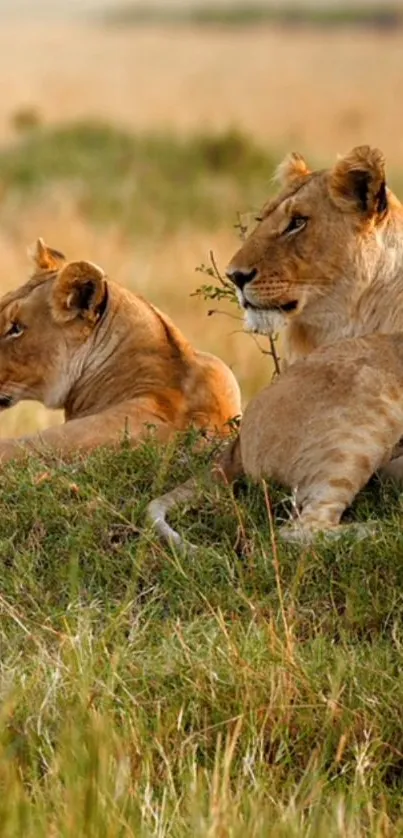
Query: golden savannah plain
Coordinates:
[206,113]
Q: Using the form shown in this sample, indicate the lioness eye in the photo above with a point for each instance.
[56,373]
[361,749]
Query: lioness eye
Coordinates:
[296,223]
[14,330]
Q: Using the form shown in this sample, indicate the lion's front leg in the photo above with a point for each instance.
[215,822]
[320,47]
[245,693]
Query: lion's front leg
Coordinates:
[131,419]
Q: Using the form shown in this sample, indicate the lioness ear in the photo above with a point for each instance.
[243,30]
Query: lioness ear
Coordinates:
[46,258]
[357,182]
[291,169]
[80,290]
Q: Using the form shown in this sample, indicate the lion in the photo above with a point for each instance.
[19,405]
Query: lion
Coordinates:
[74,340]
[321,429]
[324,264]
[325,261]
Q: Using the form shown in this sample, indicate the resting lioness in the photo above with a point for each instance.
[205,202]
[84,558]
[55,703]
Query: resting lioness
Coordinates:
[325,261]
[321,429]
[72,339]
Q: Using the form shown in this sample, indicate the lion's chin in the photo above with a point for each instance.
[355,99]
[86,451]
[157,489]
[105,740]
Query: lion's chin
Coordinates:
[264,321]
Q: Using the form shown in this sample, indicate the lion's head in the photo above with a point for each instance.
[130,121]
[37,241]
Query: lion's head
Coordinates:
[318,245]
[45,326]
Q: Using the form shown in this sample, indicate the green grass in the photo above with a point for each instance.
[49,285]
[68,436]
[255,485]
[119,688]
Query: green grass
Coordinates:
[141,182]
[383,16]
[243,691]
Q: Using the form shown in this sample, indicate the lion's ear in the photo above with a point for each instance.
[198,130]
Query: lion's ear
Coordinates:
[292,168]
[357,182]
[46,258]
[80,290]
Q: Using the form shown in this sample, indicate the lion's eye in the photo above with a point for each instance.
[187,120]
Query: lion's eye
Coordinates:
[297,222]
[15,330]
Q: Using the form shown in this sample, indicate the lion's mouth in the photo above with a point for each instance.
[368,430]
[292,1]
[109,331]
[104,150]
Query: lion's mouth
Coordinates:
[286,308]
[289,307]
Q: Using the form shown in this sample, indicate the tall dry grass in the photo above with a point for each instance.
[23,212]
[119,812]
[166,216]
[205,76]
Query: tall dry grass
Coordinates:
[321,90]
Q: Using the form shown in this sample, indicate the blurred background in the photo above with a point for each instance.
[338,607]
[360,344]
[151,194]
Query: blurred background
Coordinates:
[142,135]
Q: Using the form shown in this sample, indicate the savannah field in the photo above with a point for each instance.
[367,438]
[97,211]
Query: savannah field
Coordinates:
[253,689]
[318,91]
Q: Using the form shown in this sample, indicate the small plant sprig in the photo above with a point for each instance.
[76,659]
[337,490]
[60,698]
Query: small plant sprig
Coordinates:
[222,289]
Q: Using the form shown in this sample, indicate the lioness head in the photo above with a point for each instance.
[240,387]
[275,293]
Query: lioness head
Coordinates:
[45,327]
[319,240]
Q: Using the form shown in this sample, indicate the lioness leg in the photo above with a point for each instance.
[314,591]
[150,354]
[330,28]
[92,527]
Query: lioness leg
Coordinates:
[323,499]
[132,418]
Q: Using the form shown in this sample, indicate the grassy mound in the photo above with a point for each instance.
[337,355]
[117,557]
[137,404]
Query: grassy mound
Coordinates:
[250,690]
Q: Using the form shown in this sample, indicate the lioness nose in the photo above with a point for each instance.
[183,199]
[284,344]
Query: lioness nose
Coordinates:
[241,276]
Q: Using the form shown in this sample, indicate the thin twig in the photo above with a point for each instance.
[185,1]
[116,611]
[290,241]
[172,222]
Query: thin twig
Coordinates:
[217,273]
[273,353]
[225,313]
[208,293]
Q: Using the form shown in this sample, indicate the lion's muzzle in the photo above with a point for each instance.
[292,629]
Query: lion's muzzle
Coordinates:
[241,276]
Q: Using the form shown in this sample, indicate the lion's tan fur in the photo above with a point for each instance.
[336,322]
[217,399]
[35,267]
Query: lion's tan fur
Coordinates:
[325,425]
[73,339]
[344,269]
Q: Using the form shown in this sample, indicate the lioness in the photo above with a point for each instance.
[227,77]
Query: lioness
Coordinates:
[322,429]
[72,339]
[325,261]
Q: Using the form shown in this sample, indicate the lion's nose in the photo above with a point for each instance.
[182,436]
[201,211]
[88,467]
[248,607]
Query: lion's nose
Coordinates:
[241,276]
